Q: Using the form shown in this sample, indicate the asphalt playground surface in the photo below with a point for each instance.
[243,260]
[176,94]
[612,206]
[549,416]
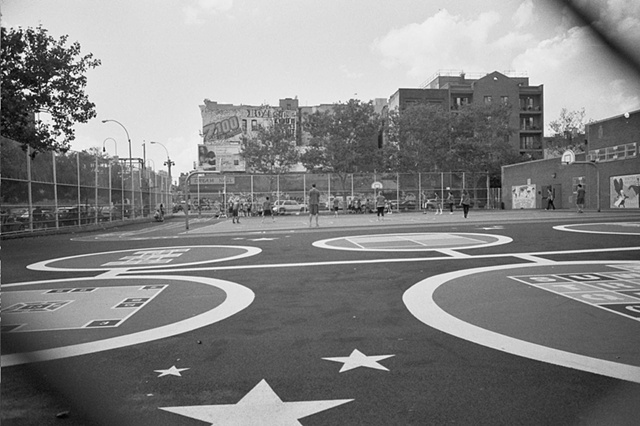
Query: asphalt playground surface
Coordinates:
[503,318]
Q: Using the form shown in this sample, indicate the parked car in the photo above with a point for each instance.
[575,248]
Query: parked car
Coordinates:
[10,223]
[42,218]
[288,207]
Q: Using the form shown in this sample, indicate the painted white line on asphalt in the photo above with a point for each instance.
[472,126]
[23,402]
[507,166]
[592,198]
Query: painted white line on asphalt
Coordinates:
[419,300]
[534,259]
[453,253]
[464,240]
[238,298]
[532,255]
[568,228]
[43,266]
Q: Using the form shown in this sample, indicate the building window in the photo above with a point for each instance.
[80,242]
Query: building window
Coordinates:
[254,125]
[487,99]
[600,132]
[244,125]
[236,162]
[530,143]
[504,100]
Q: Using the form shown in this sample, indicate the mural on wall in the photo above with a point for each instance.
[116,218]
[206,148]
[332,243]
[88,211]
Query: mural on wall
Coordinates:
[224,126]
[523,197]
[625,191]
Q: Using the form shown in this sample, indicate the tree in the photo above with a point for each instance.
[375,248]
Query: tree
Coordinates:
[344,139]
[272,150]
[422,135]
[567,133]
[43,83]
[480,139]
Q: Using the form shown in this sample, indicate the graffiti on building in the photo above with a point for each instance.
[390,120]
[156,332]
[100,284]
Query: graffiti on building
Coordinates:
[523,197]
[225,123]
[625,191]
[223,129]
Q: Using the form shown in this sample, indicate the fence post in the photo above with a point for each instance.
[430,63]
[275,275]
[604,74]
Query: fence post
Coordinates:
[78,187]
[30,196]
[96,191]
[352,194]
[397,193]
[55,189]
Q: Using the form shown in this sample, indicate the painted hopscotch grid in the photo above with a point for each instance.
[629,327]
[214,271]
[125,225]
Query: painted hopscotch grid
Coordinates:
[88,307]
[148,257]
[617,292]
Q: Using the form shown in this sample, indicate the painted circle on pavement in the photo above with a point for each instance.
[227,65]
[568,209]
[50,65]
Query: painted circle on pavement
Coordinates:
[77,316]
[425,241]
[621,228]
[146,258]
[541,312]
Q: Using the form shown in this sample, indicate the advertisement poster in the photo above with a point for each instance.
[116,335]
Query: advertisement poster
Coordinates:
[220,158]
[523,197]
[625,191]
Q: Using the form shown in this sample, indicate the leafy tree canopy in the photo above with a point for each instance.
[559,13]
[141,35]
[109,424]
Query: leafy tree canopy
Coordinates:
[43,83]
[272,150]
[345,139]
[567,133]
[473,138]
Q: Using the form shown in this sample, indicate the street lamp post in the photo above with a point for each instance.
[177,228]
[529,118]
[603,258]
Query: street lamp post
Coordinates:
[115,144]
[168,163]
[133,210]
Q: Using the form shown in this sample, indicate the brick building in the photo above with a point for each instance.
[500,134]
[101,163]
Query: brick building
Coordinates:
[609,170]
[452,90]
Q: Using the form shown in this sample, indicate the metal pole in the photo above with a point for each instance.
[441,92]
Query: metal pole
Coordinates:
[55,188]
[110,197]
[29,188]
[96,192]
[79,195]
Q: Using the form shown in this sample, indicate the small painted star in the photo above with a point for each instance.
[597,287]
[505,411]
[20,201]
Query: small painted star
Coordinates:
[358,359]
[173,371]
[261,406]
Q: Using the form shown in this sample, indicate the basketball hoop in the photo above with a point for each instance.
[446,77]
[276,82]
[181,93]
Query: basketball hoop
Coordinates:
[568,157]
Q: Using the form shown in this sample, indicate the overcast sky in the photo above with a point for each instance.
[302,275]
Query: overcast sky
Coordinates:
[161,58]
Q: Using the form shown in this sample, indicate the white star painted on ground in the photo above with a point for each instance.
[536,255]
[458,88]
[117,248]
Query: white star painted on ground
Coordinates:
[358,359]
[173,371]
[261,406]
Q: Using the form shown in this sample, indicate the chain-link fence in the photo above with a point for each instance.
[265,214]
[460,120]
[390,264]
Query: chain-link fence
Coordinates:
[55,190]
[353,193]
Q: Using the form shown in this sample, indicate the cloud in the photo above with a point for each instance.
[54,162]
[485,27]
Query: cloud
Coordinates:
[352,75]
[524,15]
[447,41]
[194,14]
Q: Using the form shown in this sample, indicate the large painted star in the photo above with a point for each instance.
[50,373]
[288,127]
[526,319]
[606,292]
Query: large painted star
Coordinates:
[173,371]
[358,359]
[261,406]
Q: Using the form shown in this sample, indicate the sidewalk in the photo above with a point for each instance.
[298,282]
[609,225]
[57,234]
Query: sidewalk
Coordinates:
[327,220]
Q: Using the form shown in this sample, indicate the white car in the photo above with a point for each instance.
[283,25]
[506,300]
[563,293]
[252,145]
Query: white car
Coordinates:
[288,207]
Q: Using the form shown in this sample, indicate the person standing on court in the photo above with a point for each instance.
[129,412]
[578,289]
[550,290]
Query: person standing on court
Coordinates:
[314,204]
[380,204]
[450,200]
[580,199]
[336,206]
[438,201]
[550,199]
[266,210]
[465,202]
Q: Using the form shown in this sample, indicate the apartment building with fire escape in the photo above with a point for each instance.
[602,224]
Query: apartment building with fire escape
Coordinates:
[454,89]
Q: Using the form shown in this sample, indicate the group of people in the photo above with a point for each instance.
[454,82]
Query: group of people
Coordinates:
[580,195]
[438,203]
[381,204]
